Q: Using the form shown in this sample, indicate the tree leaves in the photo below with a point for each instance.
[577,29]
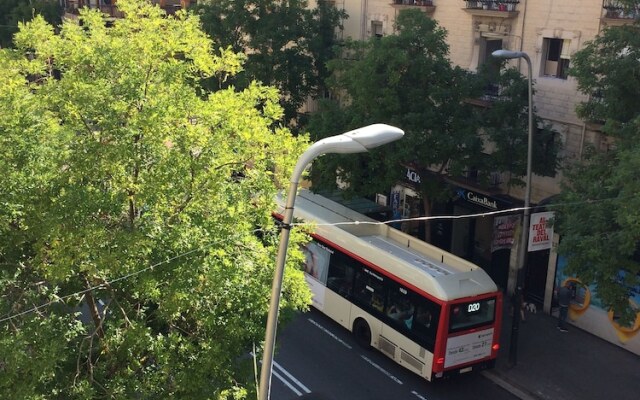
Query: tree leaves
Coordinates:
[128,184]
[287,45]
[598,217]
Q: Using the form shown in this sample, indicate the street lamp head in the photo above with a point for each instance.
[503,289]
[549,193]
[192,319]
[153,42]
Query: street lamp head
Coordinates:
[375,135]
[508,54]
[359,140]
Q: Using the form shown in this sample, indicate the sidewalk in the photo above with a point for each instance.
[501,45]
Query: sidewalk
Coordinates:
[564,366]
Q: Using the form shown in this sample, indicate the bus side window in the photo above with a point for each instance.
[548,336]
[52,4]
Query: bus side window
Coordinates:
[400,308]
[423,318]
[369,291]
[362,291]
[340,279]
[377,302]
[426,322]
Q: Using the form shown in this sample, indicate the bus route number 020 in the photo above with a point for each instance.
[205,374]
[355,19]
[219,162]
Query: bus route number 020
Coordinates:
[473,307]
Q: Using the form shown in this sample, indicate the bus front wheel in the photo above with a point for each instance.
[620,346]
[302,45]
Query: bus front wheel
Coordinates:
[362,333]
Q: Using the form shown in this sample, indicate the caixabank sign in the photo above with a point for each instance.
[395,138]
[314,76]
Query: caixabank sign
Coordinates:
[477,199]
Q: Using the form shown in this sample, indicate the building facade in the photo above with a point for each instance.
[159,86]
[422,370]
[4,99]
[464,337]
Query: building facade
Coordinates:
[550,32]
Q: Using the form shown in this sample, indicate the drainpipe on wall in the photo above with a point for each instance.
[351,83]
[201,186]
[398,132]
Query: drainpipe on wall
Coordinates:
[582,135]
[524,18]
[363,28]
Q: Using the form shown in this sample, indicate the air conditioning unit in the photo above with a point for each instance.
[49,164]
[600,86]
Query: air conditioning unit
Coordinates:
[495,179]
[472,174]
[551,68]
[381,199]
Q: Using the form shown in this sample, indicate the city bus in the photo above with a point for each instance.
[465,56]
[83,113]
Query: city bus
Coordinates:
[430,311]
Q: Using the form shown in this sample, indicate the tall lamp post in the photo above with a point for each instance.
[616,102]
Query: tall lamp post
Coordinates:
[355,141]
[524,241]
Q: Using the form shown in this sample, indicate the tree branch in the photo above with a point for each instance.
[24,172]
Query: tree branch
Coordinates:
[93,309]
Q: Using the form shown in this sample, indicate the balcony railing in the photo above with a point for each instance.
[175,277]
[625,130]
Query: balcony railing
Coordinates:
[426,3]
[615,9]
[493,5]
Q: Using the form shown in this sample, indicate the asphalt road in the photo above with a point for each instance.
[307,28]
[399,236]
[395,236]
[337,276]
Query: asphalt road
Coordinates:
[318,359]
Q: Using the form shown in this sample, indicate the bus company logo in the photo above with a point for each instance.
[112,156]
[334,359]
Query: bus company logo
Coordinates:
[484,335]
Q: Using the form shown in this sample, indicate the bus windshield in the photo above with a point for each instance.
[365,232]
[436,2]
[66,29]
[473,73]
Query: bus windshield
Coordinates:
[472,314]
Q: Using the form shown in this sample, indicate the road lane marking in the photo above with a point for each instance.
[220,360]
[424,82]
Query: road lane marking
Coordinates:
[333,335]
[289,385]
[384,371]
[418,395]
[275,373]
[291,377]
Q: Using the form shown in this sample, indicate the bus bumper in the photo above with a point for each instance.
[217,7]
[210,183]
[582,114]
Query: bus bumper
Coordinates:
[464,369]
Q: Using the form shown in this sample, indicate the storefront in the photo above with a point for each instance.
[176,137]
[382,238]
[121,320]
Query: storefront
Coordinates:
[483,238]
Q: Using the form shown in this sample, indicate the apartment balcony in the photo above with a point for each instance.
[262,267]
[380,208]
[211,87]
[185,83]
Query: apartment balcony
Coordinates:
[424,5]
[492,8]
[616,13]
[492,93]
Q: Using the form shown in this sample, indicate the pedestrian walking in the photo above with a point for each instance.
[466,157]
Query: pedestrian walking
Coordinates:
[564,299]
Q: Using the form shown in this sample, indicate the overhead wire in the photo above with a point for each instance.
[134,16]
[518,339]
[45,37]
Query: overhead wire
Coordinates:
[101,285]
[151,267]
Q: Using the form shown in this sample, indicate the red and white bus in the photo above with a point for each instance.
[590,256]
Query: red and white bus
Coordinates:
[430,311]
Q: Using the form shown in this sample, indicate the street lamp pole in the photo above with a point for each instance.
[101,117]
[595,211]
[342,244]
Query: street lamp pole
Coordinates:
[524,240]
[356,141]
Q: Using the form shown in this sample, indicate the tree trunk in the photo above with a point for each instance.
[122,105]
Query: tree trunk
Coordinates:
[93,309]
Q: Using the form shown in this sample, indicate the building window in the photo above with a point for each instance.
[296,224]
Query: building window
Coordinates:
[491,65]
[376,28]
[556,60]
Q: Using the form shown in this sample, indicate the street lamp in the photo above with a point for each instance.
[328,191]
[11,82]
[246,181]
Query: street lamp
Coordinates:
[355,141]
[524,241]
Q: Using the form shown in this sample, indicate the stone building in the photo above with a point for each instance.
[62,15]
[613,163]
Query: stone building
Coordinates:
[550,32]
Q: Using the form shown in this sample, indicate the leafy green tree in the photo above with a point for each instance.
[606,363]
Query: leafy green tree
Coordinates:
[14,11]
[598,215]
[137,245]
[505,125]
[287,44]
[406,80]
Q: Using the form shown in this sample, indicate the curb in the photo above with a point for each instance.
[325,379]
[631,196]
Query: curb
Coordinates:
[522,394]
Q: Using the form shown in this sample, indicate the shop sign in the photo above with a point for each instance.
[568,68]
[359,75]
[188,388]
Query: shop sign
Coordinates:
[395,201]
[478,199]
[504,228]
[540,233]
[412,176]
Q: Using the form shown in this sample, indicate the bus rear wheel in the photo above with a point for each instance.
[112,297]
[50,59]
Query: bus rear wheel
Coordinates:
[362,333]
